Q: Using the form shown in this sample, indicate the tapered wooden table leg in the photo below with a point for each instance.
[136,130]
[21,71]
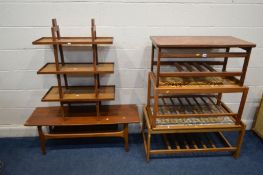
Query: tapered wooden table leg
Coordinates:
[41,139]
[148,146]
[239,143]
[126,138]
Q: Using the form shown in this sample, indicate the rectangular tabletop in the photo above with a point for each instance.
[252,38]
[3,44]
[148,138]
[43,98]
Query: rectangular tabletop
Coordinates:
[199,42]
[84,115]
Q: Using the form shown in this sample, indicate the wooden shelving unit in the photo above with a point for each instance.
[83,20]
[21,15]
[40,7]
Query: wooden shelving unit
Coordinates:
[93,120]
[186,83]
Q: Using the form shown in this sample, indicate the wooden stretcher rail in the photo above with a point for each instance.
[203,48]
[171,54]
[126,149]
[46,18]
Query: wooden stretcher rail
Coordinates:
[205,55]
[189,62]
[199,74]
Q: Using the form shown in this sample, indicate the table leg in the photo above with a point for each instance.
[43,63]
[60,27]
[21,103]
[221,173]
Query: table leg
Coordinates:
[41,139]
[126,139]
[239,143]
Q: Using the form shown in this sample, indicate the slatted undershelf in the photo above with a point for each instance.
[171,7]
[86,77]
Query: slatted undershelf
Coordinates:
[192,143]
[77,68]
[196,111]
[80,93]
[204,138]
[191,106]
[191,68]
[196,73]
[73,41]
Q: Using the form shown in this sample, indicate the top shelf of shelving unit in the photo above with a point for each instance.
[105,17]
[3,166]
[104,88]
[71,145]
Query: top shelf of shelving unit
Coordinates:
[73,40]
[199,42]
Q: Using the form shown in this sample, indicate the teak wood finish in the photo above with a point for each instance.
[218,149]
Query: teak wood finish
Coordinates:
[198,144]
[83,116]
[194,88]
[61,93]
[94,118]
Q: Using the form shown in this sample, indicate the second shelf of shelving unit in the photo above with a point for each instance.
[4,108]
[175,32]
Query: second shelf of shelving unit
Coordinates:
[80,93]
[77,68]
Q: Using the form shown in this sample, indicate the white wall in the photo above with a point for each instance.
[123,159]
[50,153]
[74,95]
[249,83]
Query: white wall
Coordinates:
[131,22]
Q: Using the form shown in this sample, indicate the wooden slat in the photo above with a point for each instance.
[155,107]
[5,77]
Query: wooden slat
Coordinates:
[192,137]
[208,67]
[178,67]
[197,103]
[190,104]
[197,66]
[166,141]
[177,145]
[201,141]
[205,102]
[219,107]
[189,68]
[210,140]
[185,142]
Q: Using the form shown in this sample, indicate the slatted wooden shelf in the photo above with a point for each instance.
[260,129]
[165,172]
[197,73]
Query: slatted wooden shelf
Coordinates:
[193,143]
[83,116]
[73,40]
[190,138]
[187,122]
[195,69]
[80,93]
[77,68]
[191,106]
[179,85]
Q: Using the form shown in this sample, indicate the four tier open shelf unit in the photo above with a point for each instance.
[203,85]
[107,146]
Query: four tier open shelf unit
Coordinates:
[91,118]
[188,78]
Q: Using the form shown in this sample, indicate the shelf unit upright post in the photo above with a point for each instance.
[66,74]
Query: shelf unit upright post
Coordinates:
[58,53]
[73,121]
[187,98]
[95,63]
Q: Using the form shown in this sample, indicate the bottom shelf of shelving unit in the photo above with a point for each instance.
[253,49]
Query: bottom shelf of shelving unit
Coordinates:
[191,138]
[82,122]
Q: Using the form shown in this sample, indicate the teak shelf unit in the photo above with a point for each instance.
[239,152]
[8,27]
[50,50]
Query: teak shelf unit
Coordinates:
[70,120]
[188,78]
